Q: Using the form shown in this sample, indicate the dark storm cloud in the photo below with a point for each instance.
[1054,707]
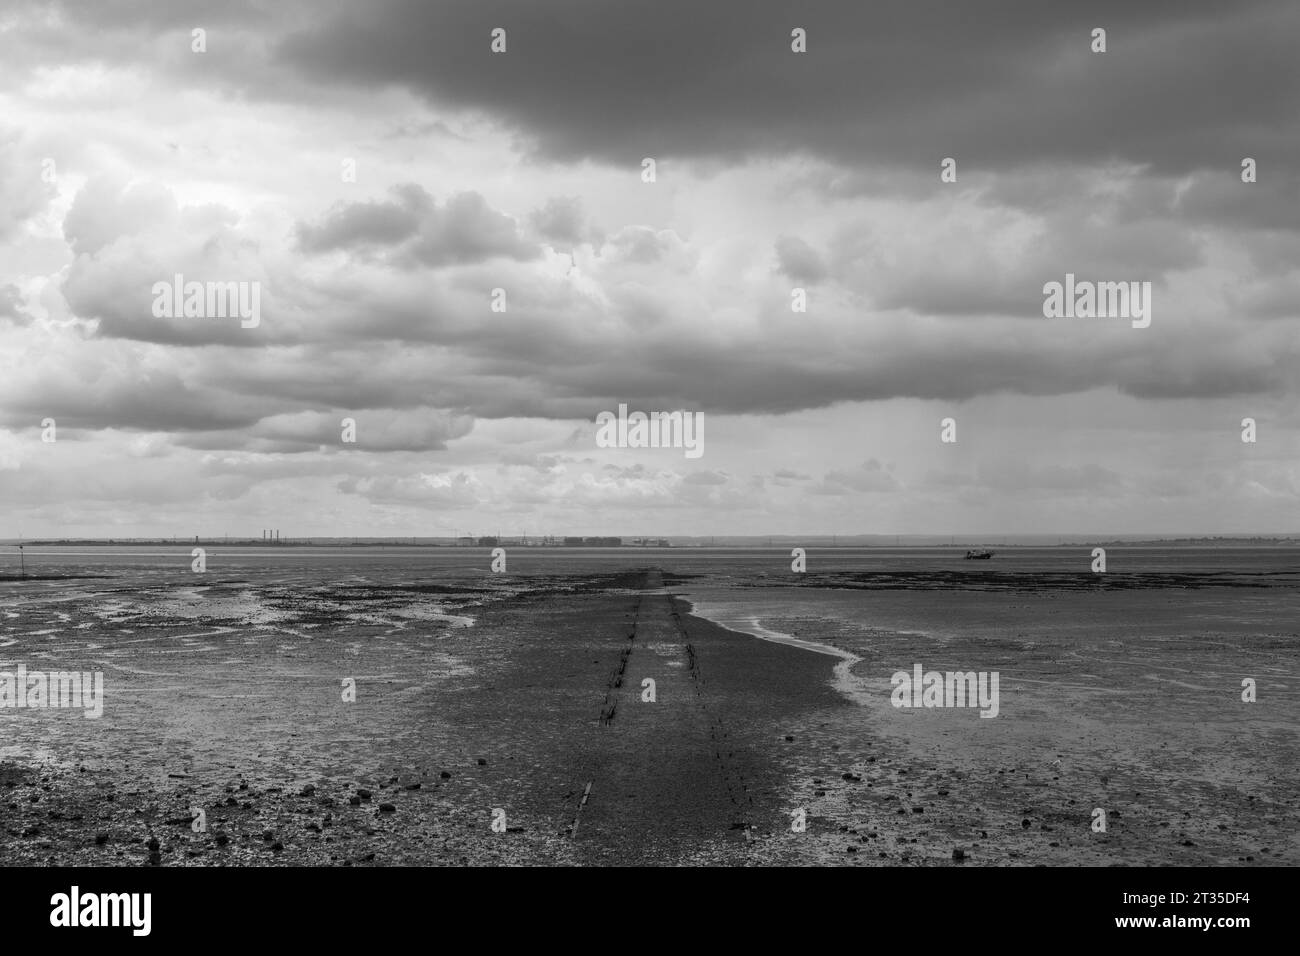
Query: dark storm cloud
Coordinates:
[798,260]
[1279,299]
[1184,85]
[1214,196]
[141,401]
[418,230]
[794,374]
[563,222]
[1272,202]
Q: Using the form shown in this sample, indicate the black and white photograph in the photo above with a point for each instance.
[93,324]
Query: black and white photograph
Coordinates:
[496,434]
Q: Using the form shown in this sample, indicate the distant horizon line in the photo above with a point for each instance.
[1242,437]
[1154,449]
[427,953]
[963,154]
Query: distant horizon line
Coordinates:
[1004,539]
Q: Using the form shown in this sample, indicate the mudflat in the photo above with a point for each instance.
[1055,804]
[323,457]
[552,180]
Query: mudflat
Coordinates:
[537,716]
[581,716]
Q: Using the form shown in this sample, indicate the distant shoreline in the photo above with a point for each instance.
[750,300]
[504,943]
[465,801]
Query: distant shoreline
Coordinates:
[775,543]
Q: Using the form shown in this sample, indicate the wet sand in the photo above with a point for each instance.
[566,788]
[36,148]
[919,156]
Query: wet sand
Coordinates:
[1122,695]
[533,706]
[523,693]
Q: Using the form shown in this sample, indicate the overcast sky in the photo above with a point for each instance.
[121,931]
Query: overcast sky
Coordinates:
[522,170]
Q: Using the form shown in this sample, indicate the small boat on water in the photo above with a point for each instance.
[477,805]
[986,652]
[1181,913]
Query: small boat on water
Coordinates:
[978,554]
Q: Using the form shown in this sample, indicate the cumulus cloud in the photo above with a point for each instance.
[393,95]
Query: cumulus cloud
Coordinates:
[563,222]
[480,172]
[411,229]
[11,305]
